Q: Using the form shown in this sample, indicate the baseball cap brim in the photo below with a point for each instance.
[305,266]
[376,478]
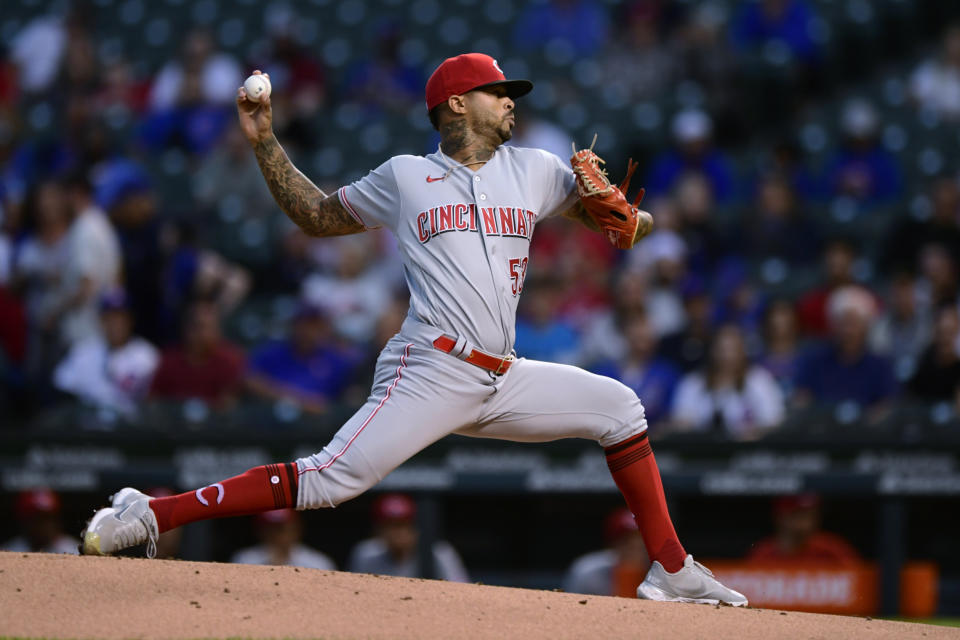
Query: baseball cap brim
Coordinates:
[515,88]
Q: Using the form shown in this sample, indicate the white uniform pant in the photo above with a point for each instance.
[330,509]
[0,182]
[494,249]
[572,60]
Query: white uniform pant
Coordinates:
[421,394]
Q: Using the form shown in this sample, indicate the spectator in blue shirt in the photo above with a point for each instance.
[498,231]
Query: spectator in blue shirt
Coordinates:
[309,368]
[861,168]
[845,370]
[694,153]
[784,22]
[781,344]
[581,24]
[653,378]
[542,334]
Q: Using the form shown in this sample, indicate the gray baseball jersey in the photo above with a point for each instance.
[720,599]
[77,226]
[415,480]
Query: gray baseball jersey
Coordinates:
[464,238]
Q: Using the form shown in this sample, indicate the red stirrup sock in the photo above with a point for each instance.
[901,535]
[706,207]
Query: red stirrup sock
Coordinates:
[635,471]
[259,489]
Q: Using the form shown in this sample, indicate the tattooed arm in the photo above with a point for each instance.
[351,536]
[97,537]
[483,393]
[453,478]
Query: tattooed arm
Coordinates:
[317,213]
[578,213]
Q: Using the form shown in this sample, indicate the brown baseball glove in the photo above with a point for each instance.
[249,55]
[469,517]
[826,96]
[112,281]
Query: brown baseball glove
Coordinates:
[605,203]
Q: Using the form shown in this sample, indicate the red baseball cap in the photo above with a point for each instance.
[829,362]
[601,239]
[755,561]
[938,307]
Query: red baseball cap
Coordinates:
[394,507]
[617,524]
[466,72]
[800,502]
[277,516]
[34,502]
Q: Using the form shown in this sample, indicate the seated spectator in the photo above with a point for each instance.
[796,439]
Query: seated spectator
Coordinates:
[93,263]
[534,133]
[123,189]
[204,365]
[582,25]
[903,330]
[281,535]
[939,277]
[201,74]
[777,227]
[111,370]
[798,538]
[652,377]
[663,257]
[637,59]
[705,57]
[781,344]
[696,208]
[862,168]
[688,347]
[692,131]
[297,77]
[38,49]
[358,290]
[784,161]
[38,515]
[738,300]
[845,370]
[937,378]
[787,23]
[839,257]
[542,333]
[383,81]
[582,260]
[308,368]
[731,396]
[230,177]
[39,268]
[195,272]
[935,83]
[907,239]
[393,550]
[616,570]
[603,338]
[191,96]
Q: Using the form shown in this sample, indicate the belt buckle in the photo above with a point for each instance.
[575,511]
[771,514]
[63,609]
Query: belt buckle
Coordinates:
[504,362]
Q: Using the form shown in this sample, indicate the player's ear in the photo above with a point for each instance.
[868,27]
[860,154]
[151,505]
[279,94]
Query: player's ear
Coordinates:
[457,104]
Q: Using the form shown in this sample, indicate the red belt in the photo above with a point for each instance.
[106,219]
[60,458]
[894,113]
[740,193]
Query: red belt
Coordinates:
[497,364]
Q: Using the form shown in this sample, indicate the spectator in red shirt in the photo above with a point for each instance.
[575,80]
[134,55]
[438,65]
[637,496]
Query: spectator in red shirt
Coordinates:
[838,260]
[204,366]
[798,538]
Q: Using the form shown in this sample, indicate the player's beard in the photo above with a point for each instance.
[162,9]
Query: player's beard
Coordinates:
[506,131]
[503,127]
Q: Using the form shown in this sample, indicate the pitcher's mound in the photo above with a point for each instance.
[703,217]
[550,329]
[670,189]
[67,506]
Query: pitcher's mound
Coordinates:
[81,597]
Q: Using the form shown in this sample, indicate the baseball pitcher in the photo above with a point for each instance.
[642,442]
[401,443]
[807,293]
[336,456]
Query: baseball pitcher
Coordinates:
[463,218]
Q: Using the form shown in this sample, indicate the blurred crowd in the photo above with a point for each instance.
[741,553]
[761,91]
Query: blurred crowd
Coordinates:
[769,285]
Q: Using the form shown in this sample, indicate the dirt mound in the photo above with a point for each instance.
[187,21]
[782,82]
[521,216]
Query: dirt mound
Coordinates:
[70,597]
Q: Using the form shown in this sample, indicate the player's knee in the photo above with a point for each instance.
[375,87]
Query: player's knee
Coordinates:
[328,487]
[628,417]
[318,490]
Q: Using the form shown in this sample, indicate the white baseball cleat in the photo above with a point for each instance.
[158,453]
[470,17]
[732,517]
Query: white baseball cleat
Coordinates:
[693,583]
[119,527]
[125,496]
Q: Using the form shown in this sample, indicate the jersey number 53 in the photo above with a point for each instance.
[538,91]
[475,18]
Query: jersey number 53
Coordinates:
[518,271]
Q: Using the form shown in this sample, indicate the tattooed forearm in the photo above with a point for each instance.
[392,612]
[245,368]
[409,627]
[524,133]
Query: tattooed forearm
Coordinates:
[303,202]
[578,213]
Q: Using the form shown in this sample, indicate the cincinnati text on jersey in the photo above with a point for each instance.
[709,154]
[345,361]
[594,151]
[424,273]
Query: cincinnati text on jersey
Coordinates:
[510,222]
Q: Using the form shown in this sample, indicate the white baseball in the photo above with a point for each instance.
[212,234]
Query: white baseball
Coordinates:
[257,86]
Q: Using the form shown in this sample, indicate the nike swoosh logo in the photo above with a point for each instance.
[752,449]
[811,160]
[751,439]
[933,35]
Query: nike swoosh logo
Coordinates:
[118,514]
[429,179]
